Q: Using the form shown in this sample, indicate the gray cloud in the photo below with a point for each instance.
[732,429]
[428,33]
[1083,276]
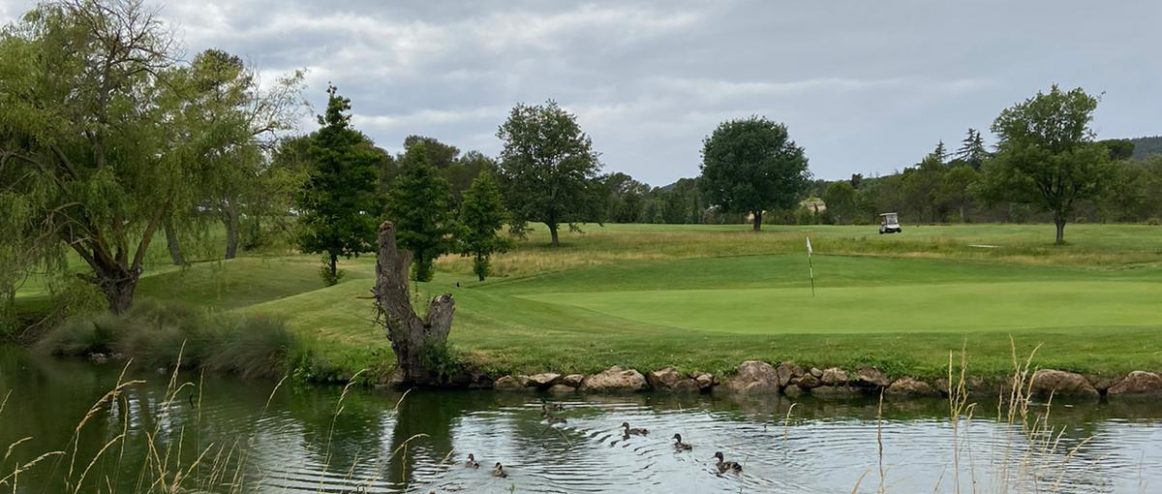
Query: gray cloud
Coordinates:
[864,86]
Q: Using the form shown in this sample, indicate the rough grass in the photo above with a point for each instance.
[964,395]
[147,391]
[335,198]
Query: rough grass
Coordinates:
[706,297]
[163,335]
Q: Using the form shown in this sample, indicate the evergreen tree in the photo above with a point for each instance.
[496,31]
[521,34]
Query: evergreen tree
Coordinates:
[972,150]
[482,215]
[939,153]
[418,203]
[339,203]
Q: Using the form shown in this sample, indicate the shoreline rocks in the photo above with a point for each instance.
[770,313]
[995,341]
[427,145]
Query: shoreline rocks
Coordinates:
[757,378]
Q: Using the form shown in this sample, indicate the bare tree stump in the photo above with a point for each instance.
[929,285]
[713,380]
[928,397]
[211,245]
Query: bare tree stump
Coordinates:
[409,334]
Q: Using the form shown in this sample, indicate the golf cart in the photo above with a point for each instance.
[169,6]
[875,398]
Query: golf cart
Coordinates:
[890,223]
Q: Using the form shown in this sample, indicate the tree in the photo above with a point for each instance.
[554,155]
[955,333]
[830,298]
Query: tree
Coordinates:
[547,166]
[751,165]
[840,199]
[482,215]
[972,150]
[1119,149]
[955,188]
[418,205]
[96,141]
[440,155]
[339,207]
[1046,154]
[939,153]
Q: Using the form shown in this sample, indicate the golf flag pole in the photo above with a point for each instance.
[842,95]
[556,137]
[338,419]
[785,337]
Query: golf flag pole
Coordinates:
[811,266]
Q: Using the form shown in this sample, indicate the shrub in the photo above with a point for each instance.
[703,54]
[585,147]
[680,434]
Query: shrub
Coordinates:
[1154,221]
[164,335]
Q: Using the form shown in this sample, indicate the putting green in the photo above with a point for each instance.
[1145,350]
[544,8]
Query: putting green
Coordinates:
[1007,306]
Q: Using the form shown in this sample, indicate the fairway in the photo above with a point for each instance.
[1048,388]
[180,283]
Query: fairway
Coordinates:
[962,307]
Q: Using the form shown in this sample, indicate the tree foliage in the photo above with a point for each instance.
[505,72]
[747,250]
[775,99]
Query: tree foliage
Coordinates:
[482,215]
[339,207]
[418,204]
[751,165]
[1046,154]
[548,167]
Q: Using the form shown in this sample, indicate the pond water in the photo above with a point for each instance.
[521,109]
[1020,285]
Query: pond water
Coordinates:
[217,432]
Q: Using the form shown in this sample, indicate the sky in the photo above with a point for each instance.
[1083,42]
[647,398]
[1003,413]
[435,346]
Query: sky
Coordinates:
[864,86]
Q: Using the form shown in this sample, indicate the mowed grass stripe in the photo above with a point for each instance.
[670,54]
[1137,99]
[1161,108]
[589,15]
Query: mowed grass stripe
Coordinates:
[957,307]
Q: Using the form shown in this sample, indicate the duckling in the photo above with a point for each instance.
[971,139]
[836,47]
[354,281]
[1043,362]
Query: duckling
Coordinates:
[633,431]
[547,407]
[555,420]
[498,471]
[726,466]
[471,463]
[679,445]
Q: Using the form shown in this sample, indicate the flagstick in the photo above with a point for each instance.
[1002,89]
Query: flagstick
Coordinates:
[811,266]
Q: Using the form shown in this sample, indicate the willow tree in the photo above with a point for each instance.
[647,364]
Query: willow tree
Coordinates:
[97,144]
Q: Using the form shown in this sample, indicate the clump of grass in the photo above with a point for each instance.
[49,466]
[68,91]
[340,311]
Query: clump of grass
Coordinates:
[171,335]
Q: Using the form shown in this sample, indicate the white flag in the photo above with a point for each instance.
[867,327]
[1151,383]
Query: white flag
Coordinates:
[809,251]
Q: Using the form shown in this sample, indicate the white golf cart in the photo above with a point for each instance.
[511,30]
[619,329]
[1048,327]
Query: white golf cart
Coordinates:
[890,223]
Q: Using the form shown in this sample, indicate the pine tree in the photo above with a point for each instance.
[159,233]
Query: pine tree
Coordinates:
[972,150]
[339,203]
[939,153]
[418,203]
[482,215]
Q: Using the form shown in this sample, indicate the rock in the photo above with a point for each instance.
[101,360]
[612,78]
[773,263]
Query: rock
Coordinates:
[573,380]
[1137,383]
[1102,383]
[542,381]
[793,391]
[754,377]
[906,386]
[668,379]
[808,381]
[1061,383]
[840,391]
[99,358]
[786,371]
[816,372]
[834,377]
[872,377]
[705,381]
[615,380]
[559,389]
[508,383]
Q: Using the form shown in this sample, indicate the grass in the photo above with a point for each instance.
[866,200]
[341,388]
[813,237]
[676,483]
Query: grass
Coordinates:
[707,297]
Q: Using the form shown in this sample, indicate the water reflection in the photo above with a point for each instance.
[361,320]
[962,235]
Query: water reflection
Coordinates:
[302,439]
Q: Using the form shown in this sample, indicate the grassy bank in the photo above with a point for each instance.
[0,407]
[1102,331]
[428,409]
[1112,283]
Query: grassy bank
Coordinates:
[707,297]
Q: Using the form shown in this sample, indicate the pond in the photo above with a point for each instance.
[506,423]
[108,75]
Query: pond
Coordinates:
[215,433]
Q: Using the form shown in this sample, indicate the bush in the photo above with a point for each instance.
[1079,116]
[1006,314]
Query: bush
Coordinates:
[164,335]
[1154,221]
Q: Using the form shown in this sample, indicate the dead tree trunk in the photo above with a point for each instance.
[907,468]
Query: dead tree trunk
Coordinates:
[410,335]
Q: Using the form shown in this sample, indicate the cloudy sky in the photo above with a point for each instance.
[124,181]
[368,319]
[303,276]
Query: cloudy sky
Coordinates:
[864,86]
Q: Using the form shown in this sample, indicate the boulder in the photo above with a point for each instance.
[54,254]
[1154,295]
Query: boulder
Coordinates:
[906,386]
[668,379]
[543,380]
[573,380]
[840,391]
[787,371]
[705,381]
[1061,383]
[754,377]
[816,372]
[1137,383]
[615,380]
[793,391]
[834,377]
[508,383]
[559,389]
[807,382]
[872,377]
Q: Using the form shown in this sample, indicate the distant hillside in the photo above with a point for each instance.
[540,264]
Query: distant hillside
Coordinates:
[1145,146]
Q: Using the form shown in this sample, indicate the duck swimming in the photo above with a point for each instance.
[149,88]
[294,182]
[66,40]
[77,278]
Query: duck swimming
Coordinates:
[681,446]
[727,466]
[633,431]
[471,463]
[498,471]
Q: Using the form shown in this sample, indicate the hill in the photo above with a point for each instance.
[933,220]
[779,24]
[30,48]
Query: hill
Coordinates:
[1146,146]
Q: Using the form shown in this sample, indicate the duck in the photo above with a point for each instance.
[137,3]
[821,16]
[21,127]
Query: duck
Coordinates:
[681,446]
[471,463]
[633,431]
[726,466]
[555,420]
[547,408]
[498,471]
